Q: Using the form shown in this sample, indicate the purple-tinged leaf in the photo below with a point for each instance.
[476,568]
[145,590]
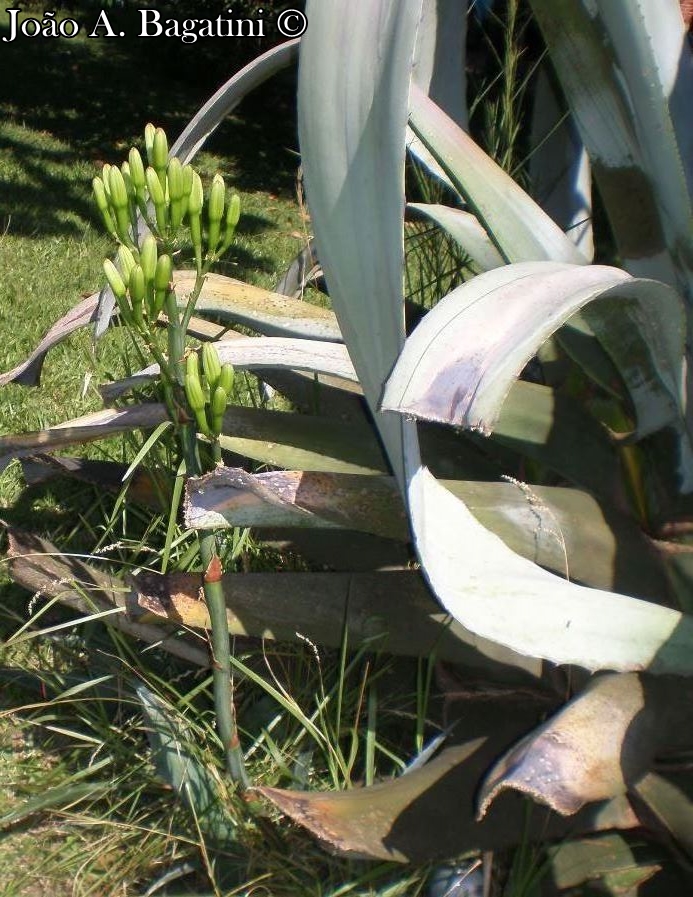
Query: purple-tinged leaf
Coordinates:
[597,746]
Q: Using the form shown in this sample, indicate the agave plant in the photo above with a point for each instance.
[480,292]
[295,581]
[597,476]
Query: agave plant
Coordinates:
[625,71]
[530,438]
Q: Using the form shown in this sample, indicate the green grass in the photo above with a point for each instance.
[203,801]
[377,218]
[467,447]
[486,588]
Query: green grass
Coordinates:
[324,721]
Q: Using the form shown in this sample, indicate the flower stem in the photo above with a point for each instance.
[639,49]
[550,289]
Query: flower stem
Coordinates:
[221,660]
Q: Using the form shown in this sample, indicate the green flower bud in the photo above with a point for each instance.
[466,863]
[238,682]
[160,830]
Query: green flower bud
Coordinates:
[159,158]
[136,169]
[215,212]
[127,262]
[149,132]
[137,288]
[104,206]
[233,214]
[176,191]
[115,281]
[188,172]
[137,284]
[219,400]
[196,195]
[127,178]
[148,257]
[105,169]
[211,364]
[195,201]
[119,193]
[194,392]
[162,279]
[217,407]
[174,174]
[156,193]
[226,378]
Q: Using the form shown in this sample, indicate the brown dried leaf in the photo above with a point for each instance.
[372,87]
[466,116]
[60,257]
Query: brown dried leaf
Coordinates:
[598,745]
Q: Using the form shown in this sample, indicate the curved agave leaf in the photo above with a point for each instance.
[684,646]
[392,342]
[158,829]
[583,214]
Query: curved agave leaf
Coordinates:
[250,353]
[465,229]
[39,566]
[439,60]
[401,820]
[391,611]
[563,530]
[555,430]
[28,373]
[617,863]
[504,597]
[97,425]
[597,746]
[652,50]
[521,230]
[263,310]
[355,185]
[458,365]
[230,94]
[302,441]
[300,272]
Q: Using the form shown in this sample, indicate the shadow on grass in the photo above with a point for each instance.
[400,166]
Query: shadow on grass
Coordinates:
[67,103]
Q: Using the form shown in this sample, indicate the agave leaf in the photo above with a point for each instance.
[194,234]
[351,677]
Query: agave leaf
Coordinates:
[28,373]
[251,353]
[561,529]
[390,611]
[503,597]
[556,431]
[439,60]
[597,746]
[439,70]
[97,425]
[205,122]
[669,805]
[355,184]
[456,368]
[232,497]
[179,765]
[400,819]
[559,166]
[144,487]
[465,229]
[652,50]
[263,310]
[579,342]
[602,105]
[301,441]
[606,859]
[39,566]
[300,272]
[229,95]
[521,230]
